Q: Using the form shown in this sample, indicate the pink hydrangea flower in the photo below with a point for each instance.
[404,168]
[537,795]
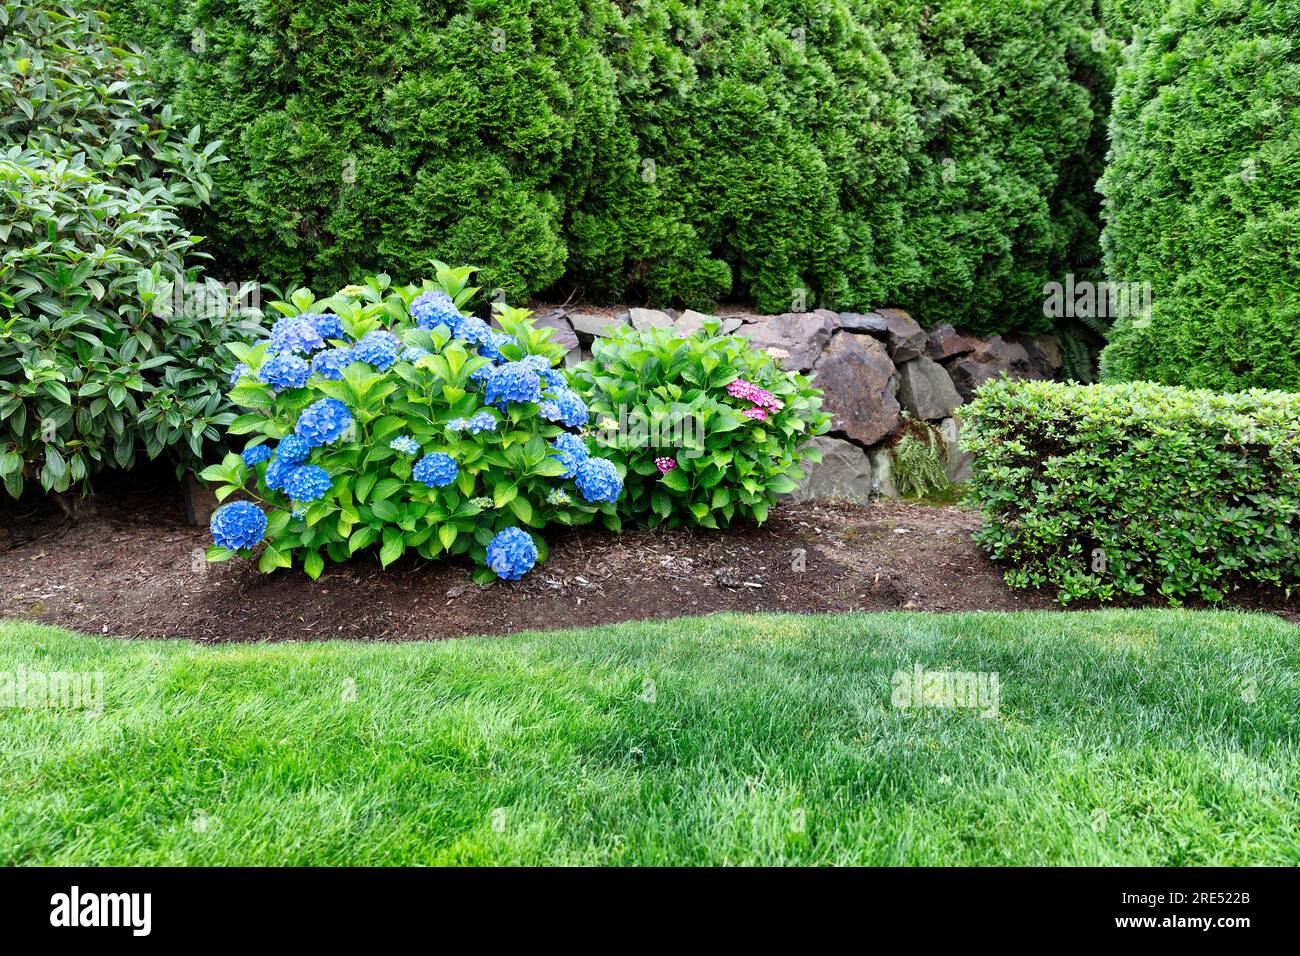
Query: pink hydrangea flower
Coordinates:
[753,393]
[665,465]
[756,413]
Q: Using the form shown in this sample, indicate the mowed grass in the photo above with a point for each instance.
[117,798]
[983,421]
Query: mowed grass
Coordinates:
[1121,738]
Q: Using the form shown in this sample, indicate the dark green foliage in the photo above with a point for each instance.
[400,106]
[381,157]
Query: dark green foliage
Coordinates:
[98,358]
[779,151]
[1002,192]
[1200,196]
[1110,491]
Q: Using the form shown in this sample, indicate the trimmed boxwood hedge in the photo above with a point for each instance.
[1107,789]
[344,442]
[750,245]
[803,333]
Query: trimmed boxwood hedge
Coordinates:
[921,154]
[1200,196]
[1112,491]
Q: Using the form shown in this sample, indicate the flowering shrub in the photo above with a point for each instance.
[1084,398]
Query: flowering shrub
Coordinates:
[705,427]
[383,416]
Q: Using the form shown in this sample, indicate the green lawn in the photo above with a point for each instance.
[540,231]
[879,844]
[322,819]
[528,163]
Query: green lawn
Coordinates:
[1121,737]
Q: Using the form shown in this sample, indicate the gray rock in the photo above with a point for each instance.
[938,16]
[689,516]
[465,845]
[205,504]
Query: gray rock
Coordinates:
[906,338]
[730,324]
[802,334]
[959,461]
[882,468]
[872,323]
[589,325]
[690,321]
[943,342]
[645,319]
[1044,355]
[860,384]
[563,335]
[925,389]
[843,472]
[576,355]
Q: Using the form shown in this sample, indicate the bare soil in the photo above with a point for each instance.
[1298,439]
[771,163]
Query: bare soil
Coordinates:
[135,568]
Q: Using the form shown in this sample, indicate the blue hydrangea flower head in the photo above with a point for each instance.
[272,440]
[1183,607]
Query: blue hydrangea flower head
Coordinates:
[239,371]
[297,333]
[292,450]
[474,331]
[436,470]
[481,374]
[513,382]
[558,497]
[413,354]
[323,422]
[538,363]
[405,444]
[495,342]
[284,370]
[380,348]
[431,309]
[329,326]
[597,479]
[307,483]
[256,454]
[238,525]
[278,472]
[457,425]
[482,422]
[553,377]
[298,514]
[331,363]
[565,406]
[511,554]
[572,452]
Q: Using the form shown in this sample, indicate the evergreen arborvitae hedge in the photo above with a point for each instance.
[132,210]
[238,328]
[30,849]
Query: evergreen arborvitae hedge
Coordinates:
[1200,196]
[868,152]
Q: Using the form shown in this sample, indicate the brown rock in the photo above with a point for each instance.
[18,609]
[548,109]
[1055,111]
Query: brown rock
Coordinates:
[943,342]
[200,501]
[906,338]
[990,360]
[802,334]
[859,383]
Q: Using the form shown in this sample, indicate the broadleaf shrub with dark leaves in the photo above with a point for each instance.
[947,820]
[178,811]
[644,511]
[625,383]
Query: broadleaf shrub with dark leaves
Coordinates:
[97,362]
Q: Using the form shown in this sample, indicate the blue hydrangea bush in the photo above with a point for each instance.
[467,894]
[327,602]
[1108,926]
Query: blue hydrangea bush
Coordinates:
[385,417]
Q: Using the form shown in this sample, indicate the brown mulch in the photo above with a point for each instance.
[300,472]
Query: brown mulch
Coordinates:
[135,568]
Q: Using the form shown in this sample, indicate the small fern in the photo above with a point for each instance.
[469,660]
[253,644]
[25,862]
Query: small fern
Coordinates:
[920,460]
